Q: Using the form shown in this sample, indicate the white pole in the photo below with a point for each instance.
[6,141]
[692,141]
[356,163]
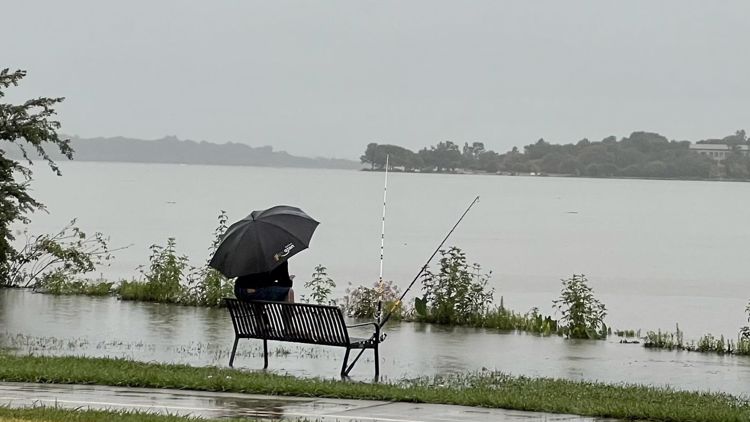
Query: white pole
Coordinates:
[382,243]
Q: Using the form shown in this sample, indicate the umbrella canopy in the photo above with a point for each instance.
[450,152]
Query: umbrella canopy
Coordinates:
[263,240]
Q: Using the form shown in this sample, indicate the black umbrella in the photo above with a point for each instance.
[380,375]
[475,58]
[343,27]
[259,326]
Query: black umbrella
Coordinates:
[263,240]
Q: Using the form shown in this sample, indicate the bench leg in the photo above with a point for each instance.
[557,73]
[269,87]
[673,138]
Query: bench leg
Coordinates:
[265,354]
[234,350]
[356,358]
[344,372]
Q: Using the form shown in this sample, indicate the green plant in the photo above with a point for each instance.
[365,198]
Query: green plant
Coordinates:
[659,340]
[362,301]
[745,331]
[582,314]
[58,284]
[504,319]
[709,343]
[743,346]
[57,257]
[456,294]
[321,287]
[627,333]
[163,277]
[208,287]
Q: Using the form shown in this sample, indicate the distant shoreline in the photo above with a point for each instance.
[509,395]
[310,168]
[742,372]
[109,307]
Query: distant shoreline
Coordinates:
[171,150]
[462,173]
[564,176]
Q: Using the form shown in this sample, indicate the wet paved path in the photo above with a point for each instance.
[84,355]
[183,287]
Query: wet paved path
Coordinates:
[219,405]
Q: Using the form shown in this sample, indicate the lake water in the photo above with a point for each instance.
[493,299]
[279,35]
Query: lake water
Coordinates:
[656,253]
[42,324]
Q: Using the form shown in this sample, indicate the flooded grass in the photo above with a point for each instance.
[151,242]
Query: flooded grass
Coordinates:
[64,287]
[56,414]
[627,333]
[706,344]
[486,389]
[56,346]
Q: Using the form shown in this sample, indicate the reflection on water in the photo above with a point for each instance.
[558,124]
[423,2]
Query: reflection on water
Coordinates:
[166,333]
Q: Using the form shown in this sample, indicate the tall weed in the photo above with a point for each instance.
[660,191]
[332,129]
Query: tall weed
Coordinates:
[320,286]
[457,293]
[582,314]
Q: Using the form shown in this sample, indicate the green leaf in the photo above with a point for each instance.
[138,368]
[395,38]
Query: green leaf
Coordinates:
[420,306]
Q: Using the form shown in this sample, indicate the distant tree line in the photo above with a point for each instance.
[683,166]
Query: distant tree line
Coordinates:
[642,154]
[173,150]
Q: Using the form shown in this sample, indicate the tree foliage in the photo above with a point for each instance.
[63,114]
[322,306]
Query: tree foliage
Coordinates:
[58,257]
[376,154]
[642,154]
[30,126]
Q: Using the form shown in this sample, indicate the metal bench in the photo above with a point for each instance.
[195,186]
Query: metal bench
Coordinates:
[298,323]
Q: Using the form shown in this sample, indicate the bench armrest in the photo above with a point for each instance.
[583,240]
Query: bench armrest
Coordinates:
[377,327]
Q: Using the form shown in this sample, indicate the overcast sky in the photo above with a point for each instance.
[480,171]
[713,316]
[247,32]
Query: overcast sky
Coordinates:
[327,77]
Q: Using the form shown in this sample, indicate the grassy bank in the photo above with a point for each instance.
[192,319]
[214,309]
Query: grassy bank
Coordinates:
[51,414]
[487,390]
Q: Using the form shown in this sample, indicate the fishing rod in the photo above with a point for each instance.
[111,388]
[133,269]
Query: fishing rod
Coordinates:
[380,339]
[424,267]
[379,312]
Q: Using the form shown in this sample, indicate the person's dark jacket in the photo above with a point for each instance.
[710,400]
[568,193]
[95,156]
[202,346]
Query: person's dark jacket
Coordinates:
[278,277]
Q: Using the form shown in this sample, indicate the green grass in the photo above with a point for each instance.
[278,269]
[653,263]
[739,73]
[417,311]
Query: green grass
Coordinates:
[56,414]
[706,344]
[78,287]
[486,389]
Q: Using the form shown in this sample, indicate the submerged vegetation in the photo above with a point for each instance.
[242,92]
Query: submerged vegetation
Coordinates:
[486,389]
[361,301]
[456,293]
[706,344]
[582,314]
[170,278]
[48,261]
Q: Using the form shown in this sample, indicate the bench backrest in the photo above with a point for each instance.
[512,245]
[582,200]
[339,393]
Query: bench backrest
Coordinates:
[297,322]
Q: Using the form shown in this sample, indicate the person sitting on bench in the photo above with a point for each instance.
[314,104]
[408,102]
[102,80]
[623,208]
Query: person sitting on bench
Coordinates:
[273,286]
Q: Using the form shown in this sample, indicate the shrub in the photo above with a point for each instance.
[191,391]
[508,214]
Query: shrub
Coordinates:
[745,331]
[362,301]
[57,257]
[582,314]
[457,294]
[208,287]
[321,287]
[163,277]
[58,284]
[665,340]
[532,321]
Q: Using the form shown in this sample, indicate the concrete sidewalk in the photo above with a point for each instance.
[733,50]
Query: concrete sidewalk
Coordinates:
[221,405]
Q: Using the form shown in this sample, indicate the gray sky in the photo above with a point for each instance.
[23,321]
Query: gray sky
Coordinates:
[325,78]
